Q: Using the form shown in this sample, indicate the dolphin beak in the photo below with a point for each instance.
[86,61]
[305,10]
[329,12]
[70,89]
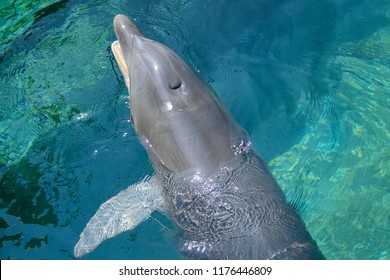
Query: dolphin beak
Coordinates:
[120,60]
[126,32]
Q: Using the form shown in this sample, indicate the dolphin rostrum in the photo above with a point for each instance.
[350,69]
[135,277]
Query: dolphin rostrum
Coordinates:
[208,179]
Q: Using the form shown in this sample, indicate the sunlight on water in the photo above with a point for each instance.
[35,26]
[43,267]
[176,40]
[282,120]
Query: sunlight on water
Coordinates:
[349,175]
[309,81]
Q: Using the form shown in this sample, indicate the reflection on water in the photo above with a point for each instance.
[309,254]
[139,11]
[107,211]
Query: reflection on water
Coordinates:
[308,81]
[17,16]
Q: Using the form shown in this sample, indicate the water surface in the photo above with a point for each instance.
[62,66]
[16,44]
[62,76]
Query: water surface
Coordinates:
[308,80]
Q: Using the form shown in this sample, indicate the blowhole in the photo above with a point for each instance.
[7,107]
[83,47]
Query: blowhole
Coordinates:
[175,85]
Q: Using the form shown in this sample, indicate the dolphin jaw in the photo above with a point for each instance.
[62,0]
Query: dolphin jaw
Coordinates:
[120,59]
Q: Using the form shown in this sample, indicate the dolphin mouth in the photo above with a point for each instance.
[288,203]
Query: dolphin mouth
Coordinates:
[126,31]
[120,60]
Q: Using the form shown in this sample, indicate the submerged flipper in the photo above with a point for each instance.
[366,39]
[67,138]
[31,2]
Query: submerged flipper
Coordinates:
[121,213]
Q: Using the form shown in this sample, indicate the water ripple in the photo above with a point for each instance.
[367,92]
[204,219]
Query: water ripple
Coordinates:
[19,16]
[308,81]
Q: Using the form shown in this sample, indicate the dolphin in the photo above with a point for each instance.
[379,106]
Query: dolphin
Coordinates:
[208,179]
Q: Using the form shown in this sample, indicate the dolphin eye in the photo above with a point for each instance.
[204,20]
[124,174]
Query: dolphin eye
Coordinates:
[131,119]
[176,85]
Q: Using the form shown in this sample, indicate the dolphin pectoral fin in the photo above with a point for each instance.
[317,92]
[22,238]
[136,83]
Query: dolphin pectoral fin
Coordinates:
[121,213]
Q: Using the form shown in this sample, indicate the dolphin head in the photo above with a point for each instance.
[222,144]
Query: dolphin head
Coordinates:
[176,115]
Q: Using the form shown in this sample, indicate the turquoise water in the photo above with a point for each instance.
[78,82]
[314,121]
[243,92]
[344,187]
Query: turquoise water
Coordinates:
[308,80]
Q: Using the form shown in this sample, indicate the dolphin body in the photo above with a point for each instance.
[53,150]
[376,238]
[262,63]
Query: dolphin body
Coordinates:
[208,179]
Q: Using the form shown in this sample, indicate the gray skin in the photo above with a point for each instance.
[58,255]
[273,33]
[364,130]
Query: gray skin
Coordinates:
[210,182]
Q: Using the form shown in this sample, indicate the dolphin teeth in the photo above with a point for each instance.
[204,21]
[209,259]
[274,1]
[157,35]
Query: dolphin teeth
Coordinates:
[120,59]
[117,51]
